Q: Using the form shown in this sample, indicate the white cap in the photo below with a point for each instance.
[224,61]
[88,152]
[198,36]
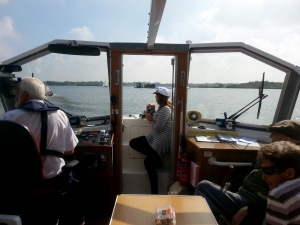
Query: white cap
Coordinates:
[163,91]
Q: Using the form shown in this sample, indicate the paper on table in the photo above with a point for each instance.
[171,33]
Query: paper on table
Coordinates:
[205,138]
[255,144]
[226,138]
[247,140]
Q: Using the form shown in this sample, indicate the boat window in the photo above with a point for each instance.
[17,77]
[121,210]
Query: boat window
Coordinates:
[75,81]
[296,112]
[141,75]
[226,82]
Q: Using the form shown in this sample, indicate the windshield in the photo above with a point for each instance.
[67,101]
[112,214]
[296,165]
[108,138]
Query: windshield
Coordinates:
[76,83]
[226,82]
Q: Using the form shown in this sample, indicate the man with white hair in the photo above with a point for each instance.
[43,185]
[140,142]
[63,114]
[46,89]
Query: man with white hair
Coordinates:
[30,93]
[50,127]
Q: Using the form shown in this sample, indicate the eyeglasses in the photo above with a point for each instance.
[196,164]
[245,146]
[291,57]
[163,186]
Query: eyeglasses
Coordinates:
[269,170]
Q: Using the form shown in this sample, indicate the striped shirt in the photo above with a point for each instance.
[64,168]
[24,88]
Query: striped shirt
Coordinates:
[284,204]
[160,136]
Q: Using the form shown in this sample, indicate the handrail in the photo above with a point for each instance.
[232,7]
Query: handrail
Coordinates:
[214,162]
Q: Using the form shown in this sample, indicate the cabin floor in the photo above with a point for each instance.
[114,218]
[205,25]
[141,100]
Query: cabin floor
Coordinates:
[99,220]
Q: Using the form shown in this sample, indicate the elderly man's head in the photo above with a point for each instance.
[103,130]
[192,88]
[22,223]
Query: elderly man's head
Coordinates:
[280,161]
[29,88]
[285,130]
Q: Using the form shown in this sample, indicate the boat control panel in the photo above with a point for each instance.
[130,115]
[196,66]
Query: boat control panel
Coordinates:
[94,150]
[91,131]
[101,137]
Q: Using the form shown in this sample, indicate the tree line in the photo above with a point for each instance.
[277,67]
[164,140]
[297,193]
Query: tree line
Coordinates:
[251,84]
[73,83]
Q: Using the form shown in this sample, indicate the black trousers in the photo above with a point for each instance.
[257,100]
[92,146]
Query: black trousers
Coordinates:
[226,203]
[151,162]
[70,203]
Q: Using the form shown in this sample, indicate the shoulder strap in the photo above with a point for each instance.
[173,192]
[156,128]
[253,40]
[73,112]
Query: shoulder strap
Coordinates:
[43,144]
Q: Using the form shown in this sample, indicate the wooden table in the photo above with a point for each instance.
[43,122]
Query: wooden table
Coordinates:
[139,209]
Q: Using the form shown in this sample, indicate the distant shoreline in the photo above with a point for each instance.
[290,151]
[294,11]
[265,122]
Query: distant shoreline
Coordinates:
[249,85]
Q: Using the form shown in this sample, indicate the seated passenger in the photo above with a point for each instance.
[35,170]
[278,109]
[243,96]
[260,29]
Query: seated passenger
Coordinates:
[60,139]
[281,170]
[232,207]
[252,193]
[285,130]
[157,142]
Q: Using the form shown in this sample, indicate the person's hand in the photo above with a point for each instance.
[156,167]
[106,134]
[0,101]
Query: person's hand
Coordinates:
[227,186]
[148,117]
[152,106]
[239,216]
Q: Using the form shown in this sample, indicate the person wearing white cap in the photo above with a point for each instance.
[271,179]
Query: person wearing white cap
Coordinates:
[157,142]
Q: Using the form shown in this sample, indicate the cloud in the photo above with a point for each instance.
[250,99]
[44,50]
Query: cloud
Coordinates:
[253,14]
[7,35]
[83,33]
[160,39]
[263,24]
[150,68]
[7,28]
[4,2]
[288,49]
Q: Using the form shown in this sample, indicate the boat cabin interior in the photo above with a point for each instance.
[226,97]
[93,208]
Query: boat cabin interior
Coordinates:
[110,166]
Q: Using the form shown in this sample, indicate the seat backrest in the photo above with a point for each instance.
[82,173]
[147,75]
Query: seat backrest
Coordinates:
[10,219]
[21,168]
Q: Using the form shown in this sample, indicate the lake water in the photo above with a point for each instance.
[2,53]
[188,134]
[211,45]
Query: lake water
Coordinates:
[210,102]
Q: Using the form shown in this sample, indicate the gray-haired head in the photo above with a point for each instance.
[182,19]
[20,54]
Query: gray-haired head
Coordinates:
[34,87]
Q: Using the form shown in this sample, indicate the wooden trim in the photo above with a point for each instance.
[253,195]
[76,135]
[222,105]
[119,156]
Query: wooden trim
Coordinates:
[181,95]
[116,118]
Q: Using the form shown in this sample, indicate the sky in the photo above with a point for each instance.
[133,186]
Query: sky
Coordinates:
[272,26]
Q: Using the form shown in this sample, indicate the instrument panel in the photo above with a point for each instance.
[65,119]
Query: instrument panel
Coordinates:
[101,137]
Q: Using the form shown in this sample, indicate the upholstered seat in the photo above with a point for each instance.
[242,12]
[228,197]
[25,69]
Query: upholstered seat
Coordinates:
[22,184]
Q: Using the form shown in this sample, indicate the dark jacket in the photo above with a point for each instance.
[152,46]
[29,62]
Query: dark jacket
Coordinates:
[254,190]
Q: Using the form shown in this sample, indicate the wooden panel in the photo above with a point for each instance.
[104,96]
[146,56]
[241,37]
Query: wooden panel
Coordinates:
[96,182]
[200,152]
[117,121]
[139,209]
[90,157]
[181,96]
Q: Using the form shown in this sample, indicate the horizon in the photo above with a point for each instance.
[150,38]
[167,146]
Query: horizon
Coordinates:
[161,83]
